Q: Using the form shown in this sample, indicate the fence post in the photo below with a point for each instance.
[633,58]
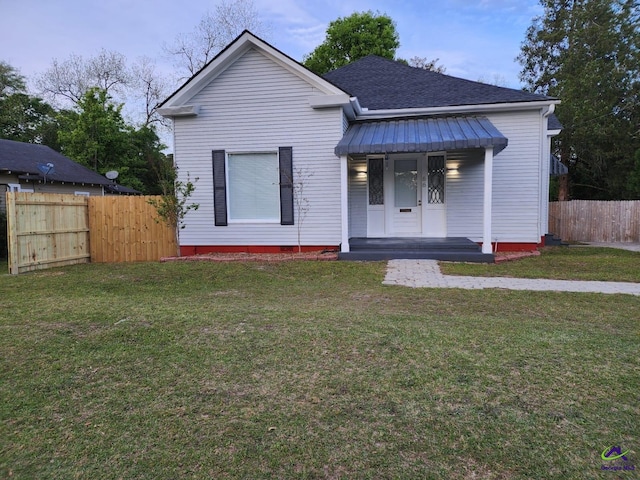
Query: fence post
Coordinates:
[12,237]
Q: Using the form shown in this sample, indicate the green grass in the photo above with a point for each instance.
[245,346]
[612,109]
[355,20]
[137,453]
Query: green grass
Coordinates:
[307,370]
[562,263]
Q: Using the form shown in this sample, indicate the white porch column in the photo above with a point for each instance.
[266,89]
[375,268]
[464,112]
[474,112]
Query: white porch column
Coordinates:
[344,202]
[488,191]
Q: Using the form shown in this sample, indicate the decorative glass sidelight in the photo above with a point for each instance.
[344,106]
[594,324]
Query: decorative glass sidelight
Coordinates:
[376,181]
[436,174]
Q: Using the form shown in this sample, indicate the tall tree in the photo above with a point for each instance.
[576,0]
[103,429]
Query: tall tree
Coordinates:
[139,85]
[191,51]
[351,38]
[587,53]
[70,79]
[24,118]
[95,134]
[98,136]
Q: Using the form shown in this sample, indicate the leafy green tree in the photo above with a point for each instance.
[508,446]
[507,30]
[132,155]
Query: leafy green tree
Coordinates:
[156,170]
[351,38]
[22,117]
[96,135]
[633,184]
[587,53]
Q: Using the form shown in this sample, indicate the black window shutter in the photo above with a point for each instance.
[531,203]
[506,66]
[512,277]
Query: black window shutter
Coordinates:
[285,155]
[219,188]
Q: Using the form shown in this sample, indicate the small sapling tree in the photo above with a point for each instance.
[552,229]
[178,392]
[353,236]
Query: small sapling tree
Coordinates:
[300,201]
[173,206]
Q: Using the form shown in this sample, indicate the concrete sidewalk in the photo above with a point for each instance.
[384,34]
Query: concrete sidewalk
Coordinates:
[426,274]
[632,247]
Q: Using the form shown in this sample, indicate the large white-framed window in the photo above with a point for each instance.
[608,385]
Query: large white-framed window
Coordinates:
[253,187]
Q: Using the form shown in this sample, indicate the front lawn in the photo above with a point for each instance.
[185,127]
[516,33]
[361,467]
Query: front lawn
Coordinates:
[308,370]
[561,263]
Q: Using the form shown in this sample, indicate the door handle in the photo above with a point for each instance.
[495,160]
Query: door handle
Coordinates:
[419,203]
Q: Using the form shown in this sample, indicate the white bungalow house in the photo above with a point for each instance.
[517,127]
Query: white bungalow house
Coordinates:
[389,157]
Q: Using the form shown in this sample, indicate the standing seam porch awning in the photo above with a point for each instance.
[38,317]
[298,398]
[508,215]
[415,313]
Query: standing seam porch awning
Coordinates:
[411,135]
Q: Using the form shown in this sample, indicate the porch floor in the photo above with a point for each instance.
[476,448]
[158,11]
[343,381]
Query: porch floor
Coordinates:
[453,249]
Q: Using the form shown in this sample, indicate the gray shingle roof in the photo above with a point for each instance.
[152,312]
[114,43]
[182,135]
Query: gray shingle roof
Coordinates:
[554,123]
[24,158]
[382,84]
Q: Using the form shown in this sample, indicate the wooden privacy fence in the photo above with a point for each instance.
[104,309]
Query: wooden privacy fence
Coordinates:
[46,230]
[51,230]
[125,229]
[595,221]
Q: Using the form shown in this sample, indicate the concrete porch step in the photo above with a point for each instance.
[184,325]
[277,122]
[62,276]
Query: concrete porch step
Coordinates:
[423,254]
[455,249]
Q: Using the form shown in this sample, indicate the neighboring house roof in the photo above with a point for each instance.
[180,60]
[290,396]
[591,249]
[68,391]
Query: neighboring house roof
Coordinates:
[557,168]
[114,188]
[554,123]
[420,135]
[25,158]
[383,84]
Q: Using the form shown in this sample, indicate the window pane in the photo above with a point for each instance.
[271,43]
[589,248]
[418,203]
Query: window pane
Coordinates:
[406,183]
[436,179]
[253,186]
[376,181]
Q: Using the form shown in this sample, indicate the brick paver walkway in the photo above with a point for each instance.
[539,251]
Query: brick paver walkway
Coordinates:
[426,273]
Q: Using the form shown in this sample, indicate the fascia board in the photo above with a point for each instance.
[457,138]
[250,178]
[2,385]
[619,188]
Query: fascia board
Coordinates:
[457,109]
[179,111]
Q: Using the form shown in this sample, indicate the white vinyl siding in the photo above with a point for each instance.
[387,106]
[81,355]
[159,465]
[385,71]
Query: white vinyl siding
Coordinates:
[516,184]
[516,178]
[465,190]
[257,105]
[253,192]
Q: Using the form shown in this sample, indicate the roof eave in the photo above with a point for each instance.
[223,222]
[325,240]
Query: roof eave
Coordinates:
[455,109]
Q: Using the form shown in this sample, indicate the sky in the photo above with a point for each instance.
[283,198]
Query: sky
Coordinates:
[473,39]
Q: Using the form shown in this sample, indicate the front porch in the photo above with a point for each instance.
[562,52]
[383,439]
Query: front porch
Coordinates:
[426,180]
[453,249]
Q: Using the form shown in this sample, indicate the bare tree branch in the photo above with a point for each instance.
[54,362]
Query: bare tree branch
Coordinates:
[71,78]
[194,50]
[150,87]
[425,64]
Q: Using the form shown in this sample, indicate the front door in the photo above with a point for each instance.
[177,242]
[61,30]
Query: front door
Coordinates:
[404,200]
[411,200]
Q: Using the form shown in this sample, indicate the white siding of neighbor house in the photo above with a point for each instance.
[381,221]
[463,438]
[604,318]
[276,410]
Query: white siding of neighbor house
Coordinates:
[256,105]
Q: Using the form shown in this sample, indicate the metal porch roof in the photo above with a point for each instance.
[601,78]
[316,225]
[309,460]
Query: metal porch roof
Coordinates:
[410,135]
